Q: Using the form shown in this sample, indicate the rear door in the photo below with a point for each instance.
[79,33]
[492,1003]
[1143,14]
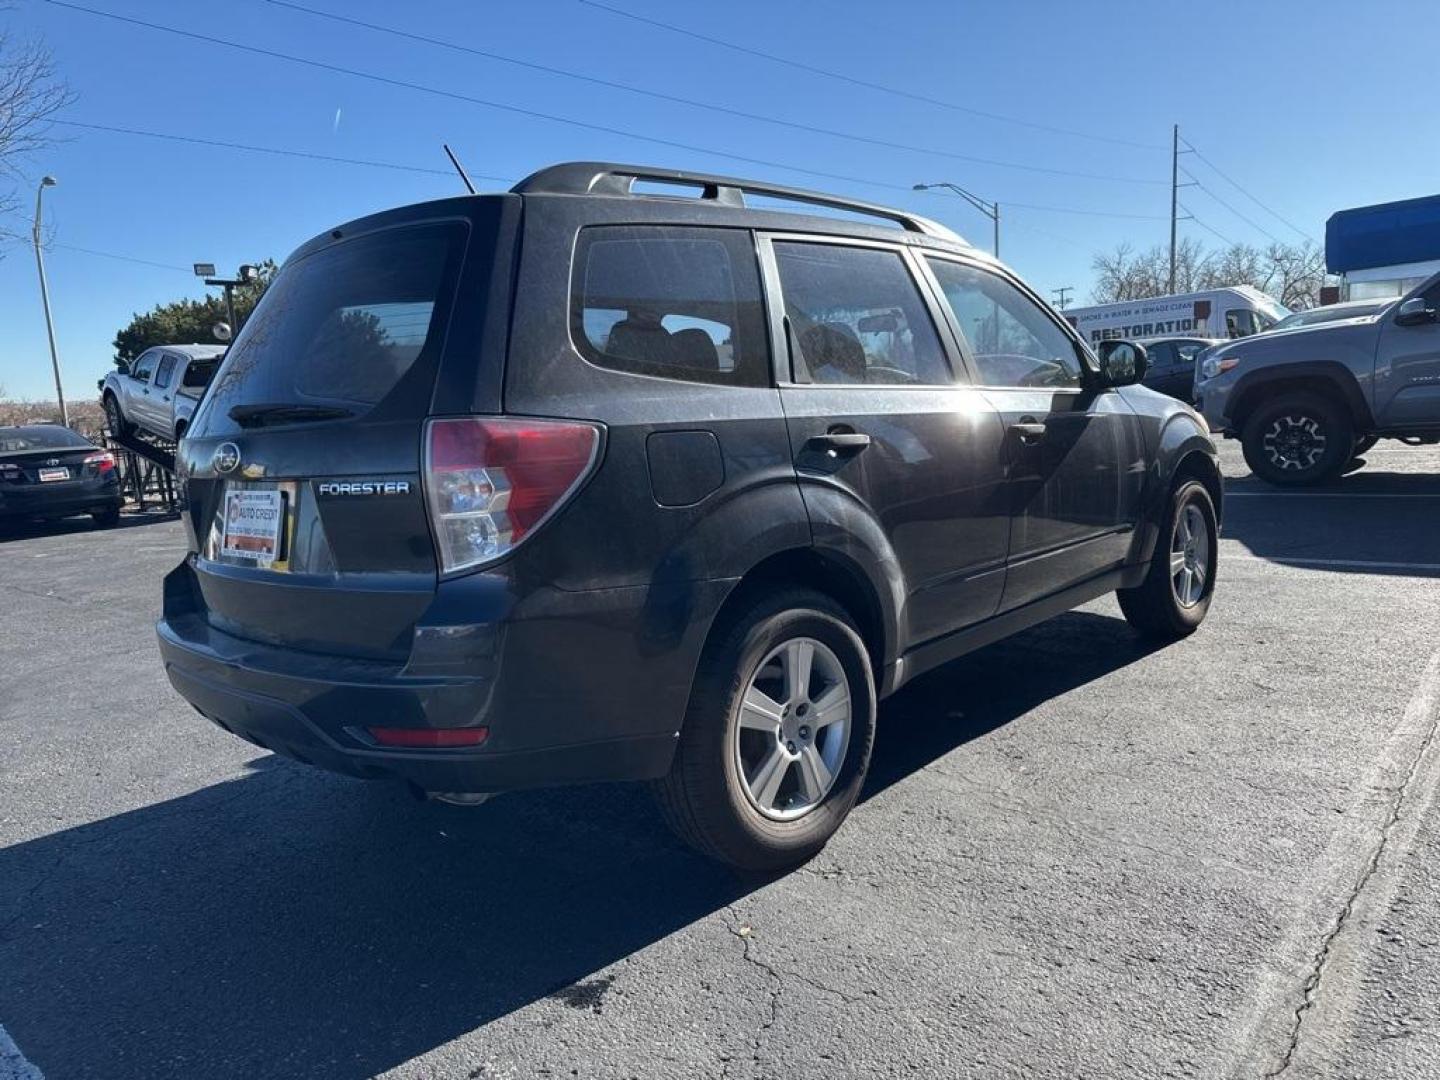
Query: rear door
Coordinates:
[1076,453]
[162,391]
[303,462]
[883,430]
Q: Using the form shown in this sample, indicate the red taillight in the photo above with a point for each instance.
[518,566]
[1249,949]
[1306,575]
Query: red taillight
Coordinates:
[429,738]
[490,482]
[104,461]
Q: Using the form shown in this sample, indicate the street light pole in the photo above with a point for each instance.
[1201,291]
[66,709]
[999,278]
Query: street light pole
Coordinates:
[988,207]
[48,181]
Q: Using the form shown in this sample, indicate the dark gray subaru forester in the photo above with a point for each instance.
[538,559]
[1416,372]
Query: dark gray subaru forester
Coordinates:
[619,476]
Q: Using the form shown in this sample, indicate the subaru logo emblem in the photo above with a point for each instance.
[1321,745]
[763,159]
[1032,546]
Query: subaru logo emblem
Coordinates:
[227,457]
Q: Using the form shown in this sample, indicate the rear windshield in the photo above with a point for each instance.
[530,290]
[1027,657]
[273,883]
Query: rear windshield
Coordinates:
[342,330]
[25,439]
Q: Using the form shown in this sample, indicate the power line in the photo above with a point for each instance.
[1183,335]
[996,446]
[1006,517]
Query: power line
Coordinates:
[265,149]
[842,77]
[710,106]
[534,113]
[1216,169]
[1212,231]
[1253,224]
[122,258]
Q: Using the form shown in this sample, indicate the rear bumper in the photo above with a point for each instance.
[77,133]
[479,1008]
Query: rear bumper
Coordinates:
[573,687]
[76,497]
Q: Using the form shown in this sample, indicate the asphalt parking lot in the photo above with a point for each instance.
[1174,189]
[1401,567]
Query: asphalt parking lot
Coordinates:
[1076,857]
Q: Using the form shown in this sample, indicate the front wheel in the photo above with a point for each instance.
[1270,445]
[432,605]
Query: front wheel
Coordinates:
[777,737]
[1298,439]
[114,418]
[1174,597]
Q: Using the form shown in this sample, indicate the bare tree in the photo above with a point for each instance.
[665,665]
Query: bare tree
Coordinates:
[30,94]
[1292,273]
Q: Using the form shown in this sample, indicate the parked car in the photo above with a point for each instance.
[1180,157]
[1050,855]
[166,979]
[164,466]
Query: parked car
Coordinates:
[1170,365]
[656,488]
[48,471]
[1351,309]
[159,391]
[1304,403]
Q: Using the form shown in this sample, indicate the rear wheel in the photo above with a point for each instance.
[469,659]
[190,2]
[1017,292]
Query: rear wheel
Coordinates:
[107,518]
[777,737]
[1298,439]
[1175,595]
[115,418]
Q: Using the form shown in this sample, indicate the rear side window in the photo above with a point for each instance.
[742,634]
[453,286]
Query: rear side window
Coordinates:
[162,373]
[856,317]
[346,327]
[677,303]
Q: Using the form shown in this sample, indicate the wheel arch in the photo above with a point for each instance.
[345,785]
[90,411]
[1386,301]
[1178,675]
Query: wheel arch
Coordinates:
[1185,452]
[1328,378]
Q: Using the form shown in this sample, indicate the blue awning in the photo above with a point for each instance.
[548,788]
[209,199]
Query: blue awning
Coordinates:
[1383,235]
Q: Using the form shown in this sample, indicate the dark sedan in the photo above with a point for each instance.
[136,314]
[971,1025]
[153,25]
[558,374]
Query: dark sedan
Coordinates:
[48,471]
[1171,368]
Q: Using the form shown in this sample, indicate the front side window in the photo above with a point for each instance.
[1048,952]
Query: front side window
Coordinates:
[856,317]
[1160,355]
[162,373]
[1013,341]
[144,366]
[675,303]
[1242,322]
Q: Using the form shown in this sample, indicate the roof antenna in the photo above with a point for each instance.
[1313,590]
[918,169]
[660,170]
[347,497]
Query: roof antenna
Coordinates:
[459,168]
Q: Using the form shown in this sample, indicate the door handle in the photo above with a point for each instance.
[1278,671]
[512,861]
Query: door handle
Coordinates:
[1028,431]
[836,443]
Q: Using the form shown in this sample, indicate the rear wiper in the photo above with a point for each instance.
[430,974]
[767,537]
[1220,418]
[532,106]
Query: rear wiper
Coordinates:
[287,413]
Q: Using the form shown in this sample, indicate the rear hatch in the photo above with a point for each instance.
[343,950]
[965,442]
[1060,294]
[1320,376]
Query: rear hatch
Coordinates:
[303,465]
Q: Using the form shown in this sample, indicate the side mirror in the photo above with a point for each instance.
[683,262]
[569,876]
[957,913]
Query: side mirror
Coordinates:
[1122,363]
[1414,312]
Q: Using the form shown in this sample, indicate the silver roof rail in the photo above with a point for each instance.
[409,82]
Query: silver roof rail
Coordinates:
[608,178]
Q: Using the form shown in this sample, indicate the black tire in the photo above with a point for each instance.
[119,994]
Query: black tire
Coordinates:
[1297,439]
[1154,607]
[107,519]
[704,798]
[1365,442]
[115,417]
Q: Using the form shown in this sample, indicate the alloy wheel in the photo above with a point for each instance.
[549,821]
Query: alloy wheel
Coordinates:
[1189,556]
[794,729]
[1295,442]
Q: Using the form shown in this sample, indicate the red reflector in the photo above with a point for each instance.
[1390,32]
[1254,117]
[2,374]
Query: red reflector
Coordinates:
[429,738]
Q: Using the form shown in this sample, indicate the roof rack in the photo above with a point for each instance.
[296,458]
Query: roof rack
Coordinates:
[607,178]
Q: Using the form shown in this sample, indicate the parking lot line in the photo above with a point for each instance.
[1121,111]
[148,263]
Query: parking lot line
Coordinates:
[13,1064]
[1338,564]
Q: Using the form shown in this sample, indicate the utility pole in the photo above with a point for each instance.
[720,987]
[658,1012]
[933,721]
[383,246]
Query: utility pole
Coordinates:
[1174,197]
[988,207]
[48,181]
[1060,298]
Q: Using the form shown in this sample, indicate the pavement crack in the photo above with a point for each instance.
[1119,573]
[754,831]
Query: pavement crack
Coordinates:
[774,977]
[1311,990]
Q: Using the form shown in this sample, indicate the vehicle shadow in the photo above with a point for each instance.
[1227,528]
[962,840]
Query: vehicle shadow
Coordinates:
[293,923]
[1369,522]
[130,519]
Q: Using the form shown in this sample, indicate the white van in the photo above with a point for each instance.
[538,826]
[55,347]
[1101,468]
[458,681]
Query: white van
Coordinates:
[1230,312]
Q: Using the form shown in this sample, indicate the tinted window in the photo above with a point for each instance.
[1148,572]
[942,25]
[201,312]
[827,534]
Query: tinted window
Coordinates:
[675,303]
[144,366]
[162,373]
[1188,351]
[1160,355]
[20,440]
[856,316]
[346,326]
[1012,339]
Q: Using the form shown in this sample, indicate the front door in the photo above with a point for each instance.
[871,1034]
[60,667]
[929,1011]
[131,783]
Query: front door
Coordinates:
[1407,370]
[1076,453]
[893,452]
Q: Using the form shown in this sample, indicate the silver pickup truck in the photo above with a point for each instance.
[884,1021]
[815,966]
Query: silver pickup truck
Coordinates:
[158,392]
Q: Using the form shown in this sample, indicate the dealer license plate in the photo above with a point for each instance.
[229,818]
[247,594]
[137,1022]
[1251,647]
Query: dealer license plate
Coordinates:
[252,526]
[47,475]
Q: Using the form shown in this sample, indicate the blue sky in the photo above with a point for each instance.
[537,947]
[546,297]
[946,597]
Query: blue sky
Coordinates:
[1310,106]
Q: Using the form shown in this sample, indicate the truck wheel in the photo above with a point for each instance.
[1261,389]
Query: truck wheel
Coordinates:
[115,419]
[1296,439]
[1174,597]
[777,737]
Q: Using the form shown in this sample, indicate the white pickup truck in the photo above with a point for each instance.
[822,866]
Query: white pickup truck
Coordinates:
[158,392]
